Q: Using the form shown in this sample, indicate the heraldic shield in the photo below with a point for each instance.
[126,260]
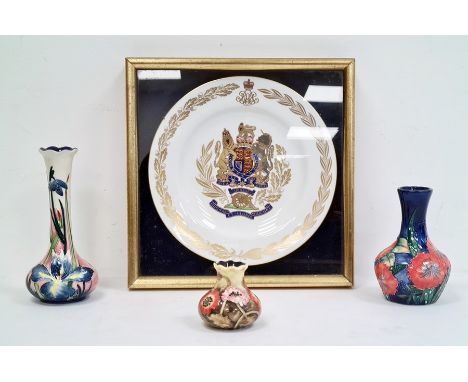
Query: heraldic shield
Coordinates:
[243,166]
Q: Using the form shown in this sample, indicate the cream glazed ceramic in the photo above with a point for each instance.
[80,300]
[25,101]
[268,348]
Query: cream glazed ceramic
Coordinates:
[62,275]
[242,168]
[230,304]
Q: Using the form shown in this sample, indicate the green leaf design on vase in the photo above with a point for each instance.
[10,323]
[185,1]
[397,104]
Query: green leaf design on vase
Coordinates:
[397,268]
[413,244]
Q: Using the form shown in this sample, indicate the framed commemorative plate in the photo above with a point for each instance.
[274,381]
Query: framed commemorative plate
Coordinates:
[240,159]
[242,169]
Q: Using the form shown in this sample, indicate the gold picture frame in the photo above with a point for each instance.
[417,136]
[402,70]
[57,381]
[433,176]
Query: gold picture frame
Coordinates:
[346,65]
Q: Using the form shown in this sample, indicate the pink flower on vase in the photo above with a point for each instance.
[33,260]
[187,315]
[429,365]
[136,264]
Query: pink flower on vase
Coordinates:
[235,295]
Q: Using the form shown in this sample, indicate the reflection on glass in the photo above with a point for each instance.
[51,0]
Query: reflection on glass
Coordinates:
[306,133]
[159,75]
[324,93]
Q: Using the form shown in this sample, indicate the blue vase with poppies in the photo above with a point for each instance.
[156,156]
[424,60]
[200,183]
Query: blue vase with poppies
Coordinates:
[412,270]
[62,275]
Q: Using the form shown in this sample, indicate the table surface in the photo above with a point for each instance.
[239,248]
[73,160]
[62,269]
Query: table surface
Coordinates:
[112,315]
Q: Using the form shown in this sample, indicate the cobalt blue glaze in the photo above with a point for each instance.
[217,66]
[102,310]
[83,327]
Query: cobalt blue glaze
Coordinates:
[411,270]
[414,202]
[58,149]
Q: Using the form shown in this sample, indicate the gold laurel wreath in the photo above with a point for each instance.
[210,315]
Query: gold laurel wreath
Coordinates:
[194,238]
[279,178]
[325,162]
[160,170]
[205,170]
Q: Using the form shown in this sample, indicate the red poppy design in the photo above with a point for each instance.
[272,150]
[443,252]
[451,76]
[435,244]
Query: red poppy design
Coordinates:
[427,270]
[209,302]
[387,281]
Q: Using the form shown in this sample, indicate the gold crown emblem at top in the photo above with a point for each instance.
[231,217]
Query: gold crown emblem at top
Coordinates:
[248,85]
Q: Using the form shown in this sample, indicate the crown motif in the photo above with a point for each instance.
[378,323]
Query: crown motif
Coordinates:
[248,85]
[246,135]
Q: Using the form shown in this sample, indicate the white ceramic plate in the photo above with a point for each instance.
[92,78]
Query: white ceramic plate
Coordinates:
[242,168]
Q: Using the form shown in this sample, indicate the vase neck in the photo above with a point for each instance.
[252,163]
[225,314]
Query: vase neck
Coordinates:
[58,162]
[230,275]
[414,202]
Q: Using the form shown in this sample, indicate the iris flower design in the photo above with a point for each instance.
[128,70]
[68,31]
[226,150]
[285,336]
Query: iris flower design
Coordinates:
[57,185]
[60,279]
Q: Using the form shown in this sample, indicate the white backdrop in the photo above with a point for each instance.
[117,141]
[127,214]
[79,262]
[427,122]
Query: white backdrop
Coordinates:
[411,129]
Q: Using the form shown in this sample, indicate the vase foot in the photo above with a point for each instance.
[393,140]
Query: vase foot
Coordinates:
[49,302]
[406,300]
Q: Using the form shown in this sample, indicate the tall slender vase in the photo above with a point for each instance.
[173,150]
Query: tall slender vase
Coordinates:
[411,270]
[62,276]
[230,304]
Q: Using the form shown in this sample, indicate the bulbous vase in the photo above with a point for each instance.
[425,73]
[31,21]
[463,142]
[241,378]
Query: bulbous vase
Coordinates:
[62,275]
[412,270]
[230,304]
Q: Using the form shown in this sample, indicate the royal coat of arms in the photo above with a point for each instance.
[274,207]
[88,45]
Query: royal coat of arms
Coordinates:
[246,175]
